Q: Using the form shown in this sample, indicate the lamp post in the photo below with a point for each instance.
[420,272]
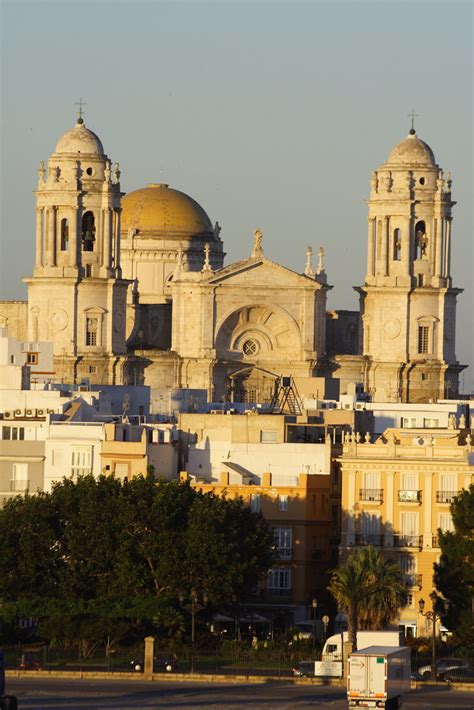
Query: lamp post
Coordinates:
[314,605]
[193,607]
[433,616]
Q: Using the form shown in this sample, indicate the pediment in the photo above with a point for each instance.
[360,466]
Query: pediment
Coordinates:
[255,272]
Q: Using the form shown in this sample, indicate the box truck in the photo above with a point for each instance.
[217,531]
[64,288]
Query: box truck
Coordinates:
[378,677]
[330,664]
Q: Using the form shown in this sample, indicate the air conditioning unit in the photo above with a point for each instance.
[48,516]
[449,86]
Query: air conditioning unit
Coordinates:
[30,412]
[18,412]
[40,412]
[8,415]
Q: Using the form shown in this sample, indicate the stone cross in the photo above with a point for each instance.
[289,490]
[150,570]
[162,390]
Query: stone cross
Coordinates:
[320,268]
[80,112]
[413,115]
[309,266]
[207,264]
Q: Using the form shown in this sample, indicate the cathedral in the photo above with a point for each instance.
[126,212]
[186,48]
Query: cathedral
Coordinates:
[132,288]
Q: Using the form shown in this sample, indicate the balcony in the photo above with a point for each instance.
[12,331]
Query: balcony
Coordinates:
[284,553]
[414,580]
[445,496]
[409,496]
[19,485]
[371,494]
[362,539]
[408,541]
[278,593]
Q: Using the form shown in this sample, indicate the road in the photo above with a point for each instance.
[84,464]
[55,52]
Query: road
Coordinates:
[35,693]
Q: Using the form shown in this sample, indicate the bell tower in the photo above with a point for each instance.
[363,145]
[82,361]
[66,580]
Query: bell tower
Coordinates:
[408,302]
[76,296]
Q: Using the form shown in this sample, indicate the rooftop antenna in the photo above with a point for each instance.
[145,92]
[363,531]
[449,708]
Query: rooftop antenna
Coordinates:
[80,112]
[413,115]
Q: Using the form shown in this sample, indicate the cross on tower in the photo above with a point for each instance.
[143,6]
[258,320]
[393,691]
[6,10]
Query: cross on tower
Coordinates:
[80,112]
[413,115]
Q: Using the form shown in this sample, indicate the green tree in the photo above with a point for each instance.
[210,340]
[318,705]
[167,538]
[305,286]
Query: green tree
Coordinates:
[454,575]
[369,589]
[96,555]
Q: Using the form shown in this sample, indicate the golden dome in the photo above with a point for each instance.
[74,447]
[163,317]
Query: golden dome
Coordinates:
[411,151]
[80,140]
[159,208]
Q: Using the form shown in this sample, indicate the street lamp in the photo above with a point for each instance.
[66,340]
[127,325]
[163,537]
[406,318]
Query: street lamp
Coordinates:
[193,607]
[314,604]
[325,622]
[433,616]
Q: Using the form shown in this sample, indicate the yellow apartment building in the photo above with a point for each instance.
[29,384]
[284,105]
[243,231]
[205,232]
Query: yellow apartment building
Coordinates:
[396,495]
[301,519]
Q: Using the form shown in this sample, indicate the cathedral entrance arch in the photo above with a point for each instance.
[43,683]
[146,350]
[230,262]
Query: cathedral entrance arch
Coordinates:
[258,334]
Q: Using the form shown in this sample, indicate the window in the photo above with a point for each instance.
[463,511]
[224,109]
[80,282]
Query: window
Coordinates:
[88,270]
[255,503]
[423,338]
[92,326]
[370,528]
[268,437]
[19,480]
[88,231]
[284,542]
[64,235]
[407,564]
[32,358]
[279,580]
[121,469]
[81,461]
[421,240]
[13,433]
[409,529]
[92,369]
[250,347]
[397,245]
[282,502]
[408,422]
[430,423]
[446,522]
[409,489]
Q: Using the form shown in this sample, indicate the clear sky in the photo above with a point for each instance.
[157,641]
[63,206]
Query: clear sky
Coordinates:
[270,114]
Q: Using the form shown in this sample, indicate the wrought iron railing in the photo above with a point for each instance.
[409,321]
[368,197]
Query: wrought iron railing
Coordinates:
[409,496]
[371,494]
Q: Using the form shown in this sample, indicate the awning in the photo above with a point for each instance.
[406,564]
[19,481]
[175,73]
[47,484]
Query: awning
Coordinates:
[222,618]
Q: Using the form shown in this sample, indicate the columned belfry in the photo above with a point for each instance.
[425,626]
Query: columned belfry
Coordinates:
[76,296]
[408,302]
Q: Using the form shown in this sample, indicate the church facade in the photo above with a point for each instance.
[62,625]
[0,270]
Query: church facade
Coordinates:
[133,288]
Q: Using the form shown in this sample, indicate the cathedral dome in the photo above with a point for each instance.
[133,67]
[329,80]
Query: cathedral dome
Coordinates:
[80,140]
[159,208]
[411,151]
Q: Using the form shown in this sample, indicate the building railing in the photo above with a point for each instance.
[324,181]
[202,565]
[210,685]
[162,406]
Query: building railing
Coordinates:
[19,485]
[408,540]
[371,494]
[408,496]
[284,553]
[445,496]
[414,580]
[278,593]
[435,541]
[369,539]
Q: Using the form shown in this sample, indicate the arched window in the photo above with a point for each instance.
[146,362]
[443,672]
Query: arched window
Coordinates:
[92,327]
[421,240]
[397,245]
[64,234]
[88,231]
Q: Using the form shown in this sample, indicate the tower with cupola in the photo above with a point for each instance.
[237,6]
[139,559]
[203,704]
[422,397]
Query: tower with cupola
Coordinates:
[77,296]
[408,302]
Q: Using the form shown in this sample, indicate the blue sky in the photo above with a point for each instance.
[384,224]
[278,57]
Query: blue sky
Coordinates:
[270,114]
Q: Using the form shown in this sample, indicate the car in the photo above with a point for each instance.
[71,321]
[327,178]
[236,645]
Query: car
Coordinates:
[460,675]
[443,665]
[304,669]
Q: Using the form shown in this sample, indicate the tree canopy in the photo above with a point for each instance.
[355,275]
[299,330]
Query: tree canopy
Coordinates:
[369,589]
[454,575]
[95,552]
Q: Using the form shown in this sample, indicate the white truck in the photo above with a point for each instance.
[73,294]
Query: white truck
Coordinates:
[378,676]
[331,657]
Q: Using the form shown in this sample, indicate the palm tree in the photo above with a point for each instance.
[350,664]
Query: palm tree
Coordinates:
[369,589]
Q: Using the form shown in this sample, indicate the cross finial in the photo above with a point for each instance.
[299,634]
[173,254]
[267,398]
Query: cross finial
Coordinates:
[80,112]
[413,115]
